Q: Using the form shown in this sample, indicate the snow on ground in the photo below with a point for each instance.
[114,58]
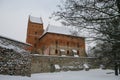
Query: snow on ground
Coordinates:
[96,74]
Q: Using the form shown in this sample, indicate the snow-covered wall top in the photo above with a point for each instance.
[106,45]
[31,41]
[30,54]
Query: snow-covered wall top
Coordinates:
[12,44]
[36,20]
[3,37]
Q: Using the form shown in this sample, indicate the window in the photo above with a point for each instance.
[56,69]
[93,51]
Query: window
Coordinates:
[35,32]
[56,51]
[77,52]
[67,52]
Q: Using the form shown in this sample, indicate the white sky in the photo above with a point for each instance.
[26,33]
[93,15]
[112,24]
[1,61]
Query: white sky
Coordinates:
[14,15]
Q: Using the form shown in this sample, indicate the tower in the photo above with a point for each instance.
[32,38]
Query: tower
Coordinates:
[34,31]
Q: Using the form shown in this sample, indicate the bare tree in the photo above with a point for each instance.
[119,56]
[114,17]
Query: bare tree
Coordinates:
[99,17]
[95,15]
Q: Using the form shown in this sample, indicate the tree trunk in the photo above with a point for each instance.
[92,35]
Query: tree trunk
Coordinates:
[119,68]
[116,69]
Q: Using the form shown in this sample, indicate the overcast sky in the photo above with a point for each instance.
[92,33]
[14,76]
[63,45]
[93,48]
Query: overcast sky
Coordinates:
[14,15]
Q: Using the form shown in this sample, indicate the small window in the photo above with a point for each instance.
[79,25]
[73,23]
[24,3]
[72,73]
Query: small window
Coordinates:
[56,51]
[67,52]
[77,52]
[35,32]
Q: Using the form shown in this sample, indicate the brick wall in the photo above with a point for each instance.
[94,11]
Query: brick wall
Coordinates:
[41,41]
[34,31]
[57,41]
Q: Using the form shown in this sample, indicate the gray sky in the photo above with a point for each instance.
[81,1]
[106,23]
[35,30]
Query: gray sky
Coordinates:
[14,15]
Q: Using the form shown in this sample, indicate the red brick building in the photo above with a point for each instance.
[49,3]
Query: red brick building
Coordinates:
[53,40]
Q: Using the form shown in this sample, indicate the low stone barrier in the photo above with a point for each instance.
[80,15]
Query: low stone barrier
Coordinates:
[41,63]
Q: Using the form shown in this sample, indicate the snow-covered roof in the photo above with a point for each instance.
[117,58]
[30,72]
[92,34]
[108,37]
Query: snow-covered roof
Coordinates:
[12,44]
[5,44]
[58,29]
[7,38]
[36,20]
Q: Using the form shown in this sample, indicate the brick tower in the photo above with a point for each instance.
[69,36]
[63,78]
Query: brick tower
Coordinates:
[34,31]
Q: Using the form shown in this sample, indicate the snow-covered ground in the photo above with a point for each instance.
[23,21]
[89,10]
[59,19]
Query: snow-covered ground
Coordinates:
[94,74]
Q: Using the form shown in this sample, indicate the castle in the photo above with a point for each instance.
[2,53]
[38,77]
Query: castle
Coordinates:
[53,40]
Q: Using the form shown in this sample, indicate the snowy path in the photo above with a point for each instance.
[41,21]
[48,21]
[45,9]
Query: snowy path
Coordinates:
[69,75]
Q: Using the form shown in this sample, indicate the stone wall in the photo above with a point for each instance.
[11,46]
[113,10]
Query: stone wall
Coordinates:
[14,63]
[41,64]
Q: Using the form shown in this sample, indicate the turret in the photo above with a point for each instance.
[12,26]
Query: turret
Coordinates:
[34,31]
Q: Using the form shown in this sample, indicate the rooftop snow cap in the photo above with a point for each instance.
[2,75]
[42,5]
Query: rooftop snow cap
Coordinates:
[58,29]
[62,30]
[36,20]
